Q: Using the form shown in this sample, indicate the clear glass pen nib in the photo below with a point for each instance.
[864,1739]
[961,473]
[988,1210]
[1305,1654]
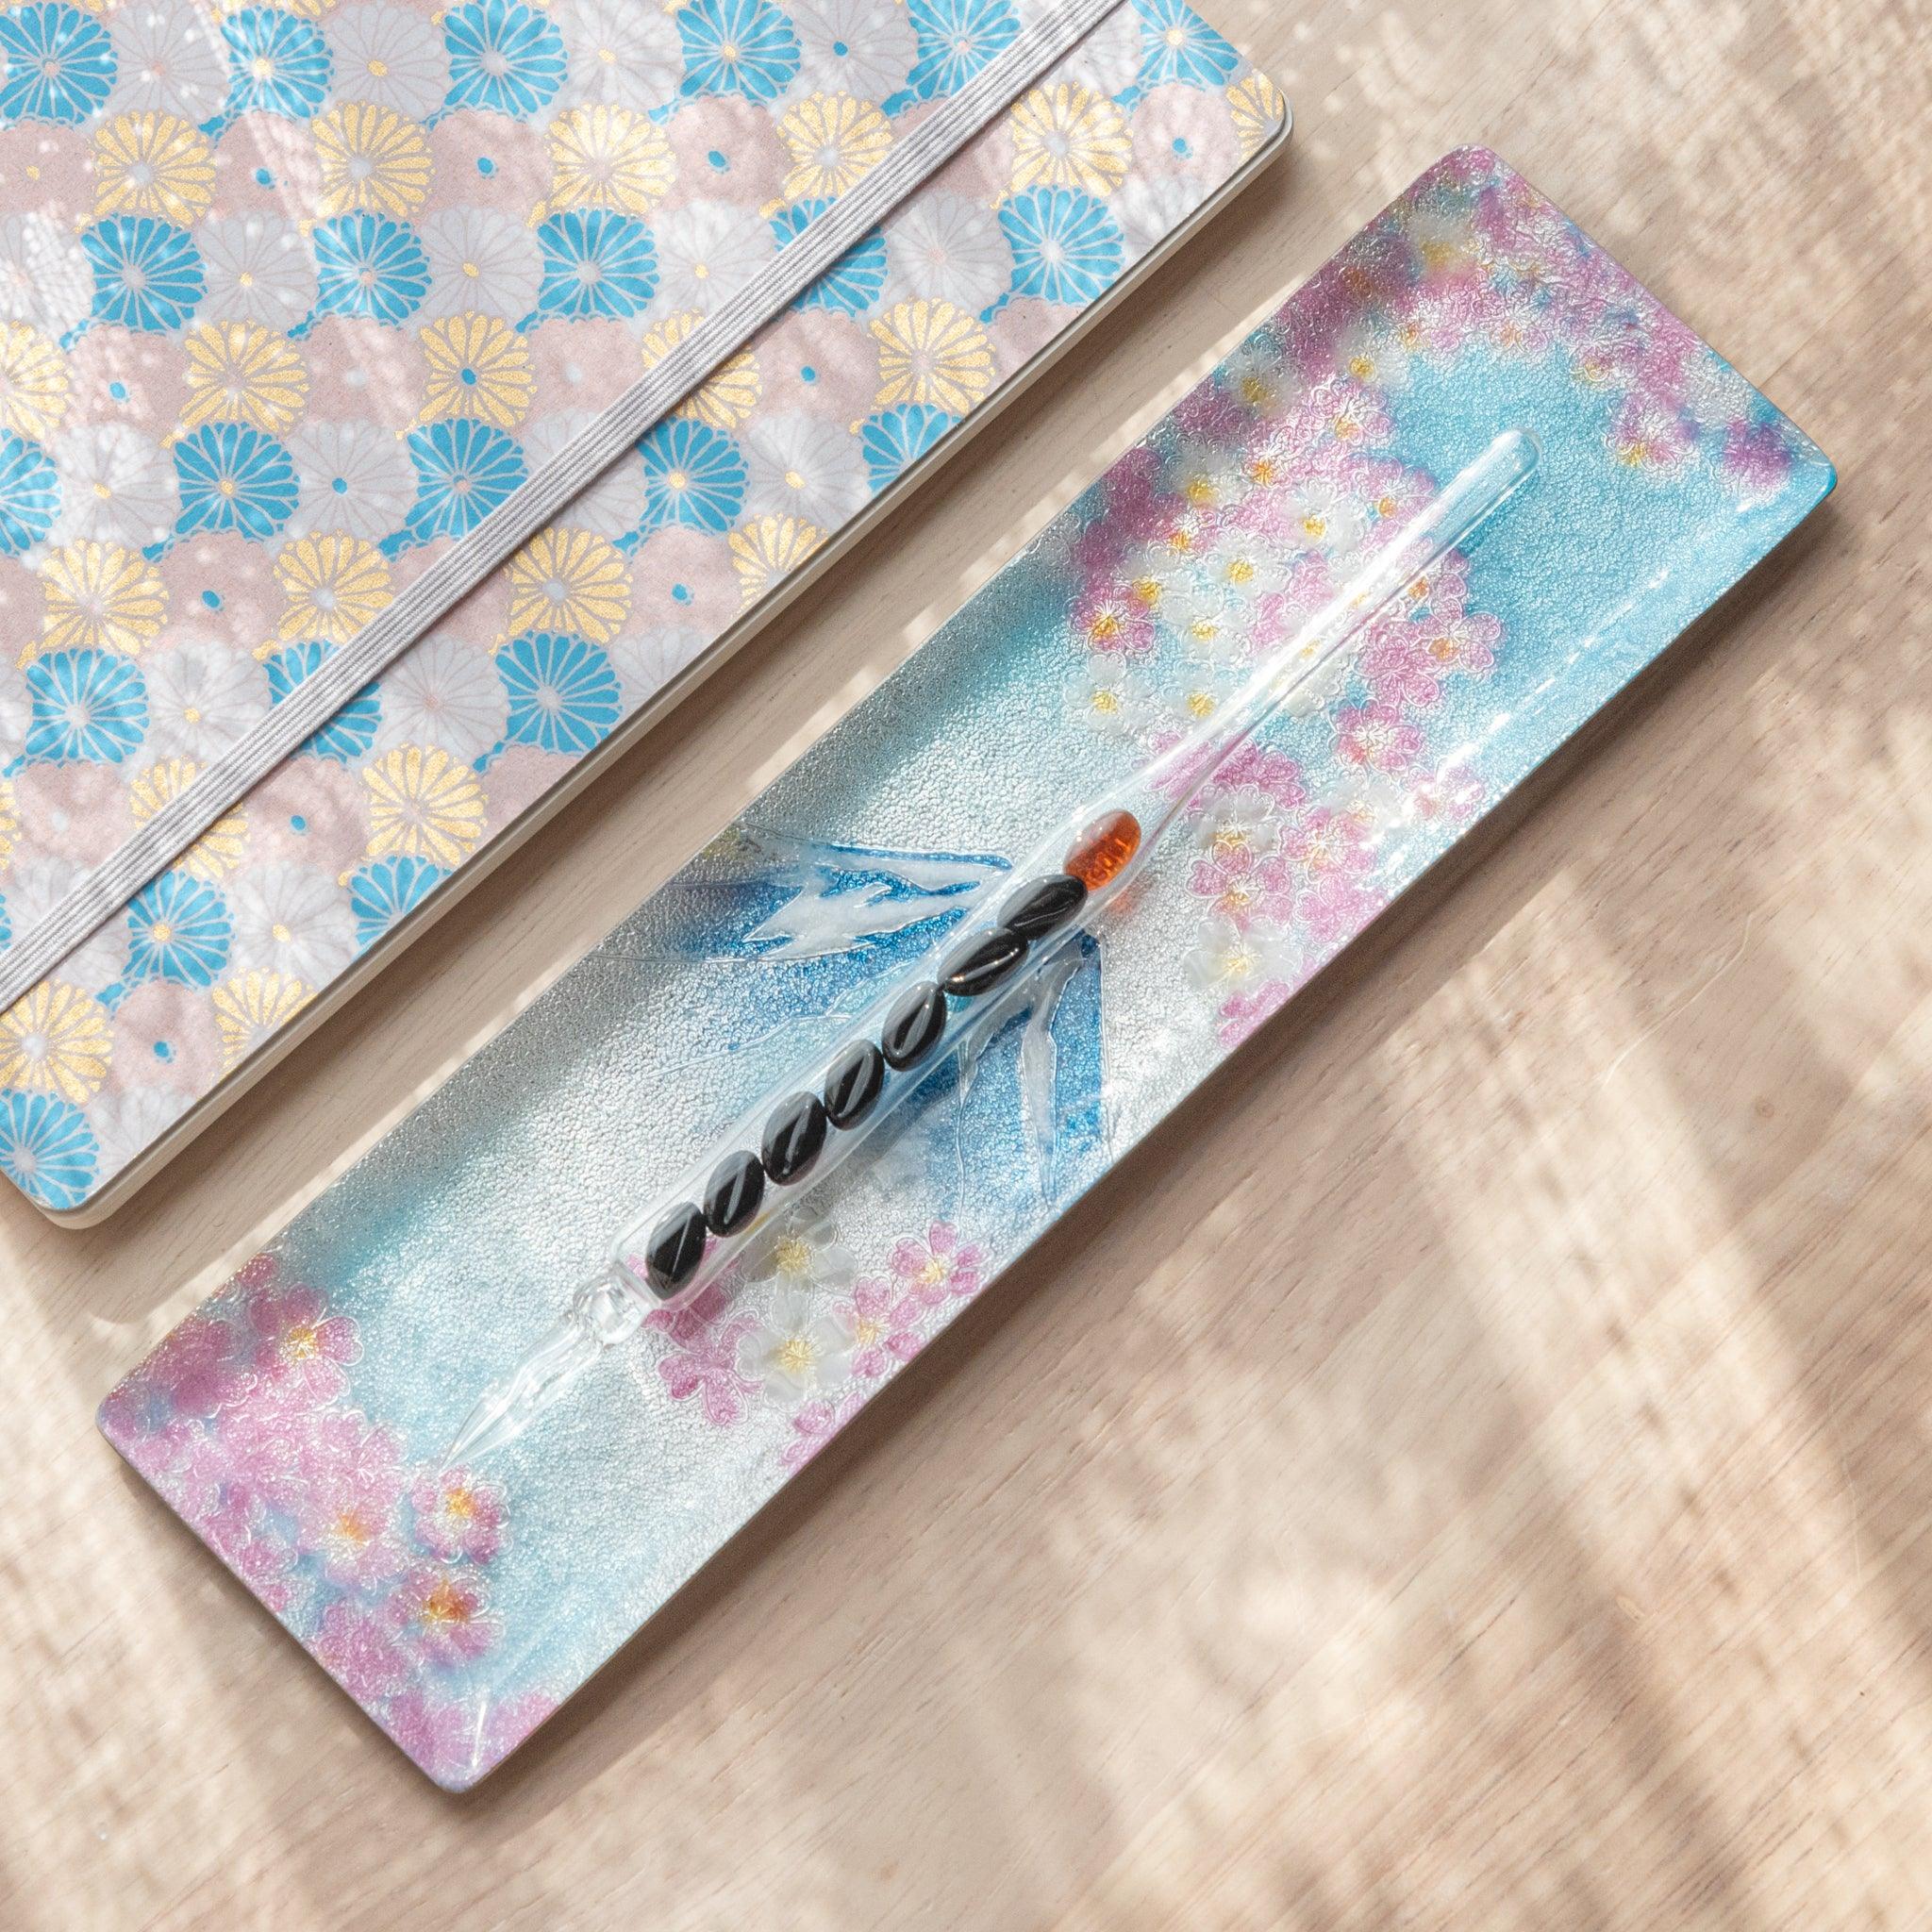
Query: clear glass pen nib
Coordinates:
[602,1313]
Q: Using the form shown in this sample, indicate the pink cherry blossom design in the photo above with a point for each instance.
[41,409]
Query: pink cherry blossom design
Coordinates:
[1244,1013]
[260,1273]
[1391,490]
[1111,622]
[1338,908]
[704,1358]
[301,1350]
[443,1615]
[139,1418]
[1454,796]
[1445,314]
[1440,596]
[1606,355]
[198,1366]
[1138,506]
[884,1323]
[442,1737]
[1518,324]
[458,1516]
[937,1267]
[1272,773]
[1400,672]
[269,1447]
[1465,642]
[1208,414]
[265,1563]
[227,1511]
[204,1487]
[1376,738]
[1651,433]
[349,1487]
[814,1426]
[1324,844]
[359,1649]
[1756,460]
[1243,888]
[1357,420]
[685,1323]
[1283,615]
[509,1722]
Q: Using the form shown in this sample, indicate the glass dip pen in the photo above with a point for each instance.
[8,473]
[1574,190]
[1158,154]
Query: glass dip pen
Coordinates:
[808,1126]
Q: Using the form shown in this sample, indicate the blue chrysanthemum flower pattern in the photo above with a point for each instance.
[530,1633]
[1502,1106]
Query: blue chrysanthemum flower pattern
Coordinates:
[87,708]
[894,439]
[147,273]
[854,283]
[348,283]
[694,474]
[277,64]
[957,37]
[47,1150]
[464,468]
[179,930]
[1179,46]
[368,265]
[385,889]
[563,694]
[743,47]
[232,478]
[347,736]
[596,262]
[504,57]
[58,63]
[1066,248]
[29,494]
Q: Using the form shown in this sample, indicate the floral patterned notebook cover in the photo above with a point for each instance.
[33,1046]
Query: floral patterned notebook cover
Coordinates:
[294,300]
[297,1420]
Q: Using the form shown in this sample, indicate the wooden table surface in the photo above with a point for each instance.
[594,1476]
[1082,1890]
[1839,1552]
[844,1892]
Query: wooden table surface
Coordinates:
[1496,1488]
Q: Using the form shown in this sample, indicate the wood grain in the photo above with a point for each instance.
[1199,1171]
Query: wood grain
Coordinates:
[1472,1469]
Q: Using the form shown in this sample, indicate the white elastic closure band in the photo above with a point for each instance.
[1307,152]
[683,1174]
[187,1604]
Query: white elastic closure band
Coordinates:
[155,846]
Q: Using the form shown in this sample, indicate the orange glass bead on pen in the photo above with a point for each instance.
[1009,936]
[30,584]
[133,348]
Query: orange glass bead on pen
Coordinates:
[1102,852]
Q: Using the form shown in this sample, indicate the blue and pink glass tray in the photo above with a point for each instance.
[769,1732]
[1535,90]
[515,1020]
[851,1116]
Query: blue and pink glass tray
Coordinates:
[301,1421]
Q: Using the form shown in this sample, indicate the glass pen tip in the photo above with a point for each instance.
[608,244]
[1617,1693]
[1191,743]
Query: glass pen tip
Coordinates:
[541,1380]
[487,1427]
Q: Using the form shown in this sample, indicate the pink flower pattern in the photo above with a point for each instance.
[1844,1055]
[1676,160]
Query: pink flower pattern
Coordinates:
[1376,738]
[359,1649]
[195,1367]
[1243,888]
[1244,1013]
[884,1321]
[458,1515]
[348,1483]
[939,1267]
[814,1425]
[703,1359]
[1470,257]
[443,1615]
[241,1420]
[302,1351]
